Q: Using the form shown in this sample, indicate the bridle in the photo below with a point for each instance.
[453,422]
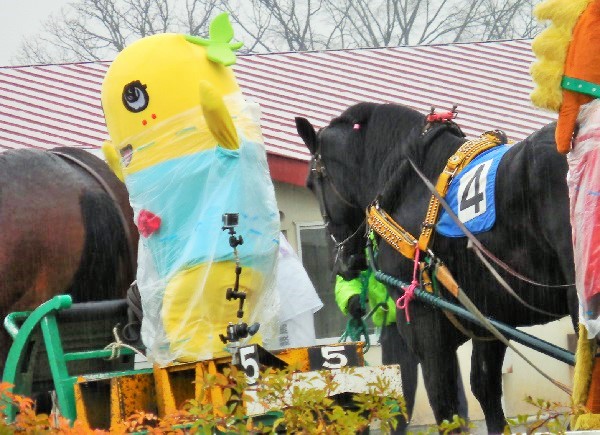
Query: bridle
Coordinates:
[322,179]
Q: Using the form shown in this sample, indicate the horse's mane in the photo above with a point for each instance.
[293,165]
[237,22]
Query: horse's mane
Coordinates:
[389,126]
[393,133]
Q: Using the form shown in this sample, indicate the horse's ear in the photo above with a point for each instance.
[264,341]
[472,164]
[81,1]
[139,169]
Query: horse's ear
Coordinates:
[307,133]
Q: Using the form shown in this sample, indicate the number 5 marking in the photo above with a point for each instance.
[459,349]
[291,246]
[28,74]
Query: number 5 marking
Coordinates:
[248,361]
[335,353]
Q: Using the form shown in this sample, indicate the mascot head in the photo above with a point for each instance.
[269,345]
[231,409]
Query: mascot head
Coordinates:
[567,72]
[155,80]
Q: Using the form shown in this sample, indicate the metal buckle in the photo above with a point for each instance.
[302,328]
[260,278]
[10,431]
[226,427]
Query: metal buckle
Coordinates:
[445,171]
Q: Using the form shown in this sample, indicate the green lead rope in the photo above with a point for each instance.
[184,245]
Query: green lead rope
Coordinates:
[355,328]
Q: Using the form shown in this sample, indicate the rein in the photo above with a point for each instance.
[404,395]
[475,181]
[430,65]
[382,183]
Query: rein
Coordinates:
[471,309]
[475,242]
[472,239]
[406,244]
[110,192]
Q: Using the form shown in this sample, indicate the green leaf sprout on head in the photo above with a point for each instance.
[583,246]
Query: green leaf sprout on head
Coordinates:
[218,47]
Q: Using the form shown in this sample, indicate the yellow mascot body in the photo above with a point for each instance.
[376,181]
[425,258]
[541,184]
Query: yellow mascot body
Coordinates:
[189,149]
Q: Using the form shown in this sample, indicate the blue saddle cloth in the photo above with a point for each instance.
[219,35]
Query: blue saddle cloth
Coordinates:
[471,195]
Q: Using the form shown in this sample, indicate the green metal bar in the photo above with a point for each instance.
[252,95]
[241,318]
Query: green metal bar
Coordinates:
[21,338]
[95,354]
[31,318]
[12,321]
[512,333]
[63,383]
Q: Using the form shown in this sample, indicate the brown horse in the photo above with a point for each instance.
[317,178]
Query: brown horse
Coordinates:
[66,226]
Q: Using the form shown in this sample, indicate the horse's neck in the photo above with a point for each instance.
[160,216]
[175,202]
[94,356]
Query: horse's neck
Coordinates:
[399,177]
[436,155]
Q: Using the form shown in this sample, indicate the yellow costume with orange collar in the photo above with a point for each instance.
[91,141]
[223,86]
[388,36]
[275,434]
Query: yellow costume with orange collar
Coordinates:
[567,76]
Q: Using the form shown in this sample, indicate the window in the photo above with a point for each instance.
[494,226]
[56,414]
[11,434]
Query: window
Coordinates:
[313,250]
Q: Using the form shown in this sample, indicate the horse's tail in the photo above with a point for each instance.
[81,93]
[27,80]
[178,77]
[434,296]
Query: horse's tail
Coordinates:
[104,271]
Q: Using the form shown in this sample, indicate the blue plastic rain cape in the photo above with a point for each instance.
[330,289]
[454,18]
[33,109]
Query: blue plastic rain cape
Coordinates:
[186,263]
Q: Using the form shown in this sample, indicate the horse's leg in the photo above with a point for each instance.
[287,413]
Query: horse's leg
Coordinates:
[395,351]
[433,339]
[486,381]
[440,370]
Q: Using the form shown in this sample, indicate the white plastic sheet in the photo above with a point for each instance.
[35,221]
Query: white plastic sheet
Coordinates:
[584,190]
[299,301]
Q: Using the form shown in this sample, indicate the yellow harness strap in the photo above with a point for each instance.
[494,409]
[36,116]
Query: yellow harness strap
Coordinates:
[396,236]
[400,239]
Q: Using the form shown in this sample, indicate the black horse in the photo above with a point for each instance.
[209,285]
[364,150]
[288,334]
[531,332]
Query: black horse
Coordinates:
[363,154]
[66,227]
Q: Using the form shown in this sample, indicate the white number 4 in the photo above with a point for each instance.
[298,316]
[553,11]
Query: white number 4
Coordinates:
[334,357]
[472,197]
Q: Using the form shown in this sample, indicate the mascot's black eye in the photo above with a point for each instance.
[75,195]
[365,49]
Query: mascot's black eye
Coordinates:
[135,97]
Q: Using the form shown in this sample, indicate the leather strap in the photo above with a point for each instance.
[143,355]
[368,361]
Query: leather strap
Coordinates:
[111,193]
[389,230]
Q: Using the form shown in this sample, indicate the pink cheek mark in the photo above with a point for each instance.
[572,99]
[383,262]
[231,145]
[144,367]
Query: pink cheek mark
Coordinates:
[144,122]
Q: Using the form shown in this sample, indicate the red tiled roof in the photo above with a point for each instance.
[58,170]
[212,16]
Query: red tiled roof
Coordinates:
[50,105]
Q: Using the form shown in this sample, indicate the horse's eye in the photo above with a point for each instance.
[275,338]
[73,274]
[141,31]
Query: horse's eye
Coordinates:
[135,97]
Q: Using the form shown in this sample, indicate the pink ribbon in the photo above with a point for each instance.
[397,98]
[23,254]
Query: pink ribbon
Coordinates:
[409,291]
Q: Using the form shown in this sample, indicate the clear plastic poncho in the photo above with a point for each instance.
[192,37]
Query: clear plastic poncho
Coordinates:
[584,191]
[186,263]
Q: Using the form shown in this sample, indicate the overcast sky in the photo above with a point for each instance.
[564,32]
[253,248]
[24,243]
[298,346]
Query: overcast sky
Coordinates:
[22,18]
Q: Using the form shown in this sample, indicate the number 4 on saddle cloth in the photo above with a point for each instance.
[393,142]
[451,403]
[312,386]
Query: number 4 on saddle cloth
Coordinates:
[471,195]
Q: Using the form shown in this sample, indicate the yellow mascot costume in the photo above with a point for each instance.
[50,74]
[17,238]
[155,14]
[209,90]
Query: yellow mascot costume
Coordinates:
[567,77]
[190,150]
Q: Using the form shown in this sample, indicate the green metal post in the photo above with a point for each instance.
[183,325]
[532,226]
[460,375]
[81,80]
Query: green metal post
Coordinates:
[64,383]
[21,339]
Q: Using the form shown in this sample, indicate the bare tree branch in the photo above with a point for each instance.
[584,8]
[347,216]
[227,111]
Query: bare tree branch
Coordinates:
[98,29]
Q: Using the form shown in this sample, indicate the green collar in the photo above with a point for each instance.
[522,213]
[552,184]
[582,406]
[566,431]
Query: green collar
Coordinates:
[581,86]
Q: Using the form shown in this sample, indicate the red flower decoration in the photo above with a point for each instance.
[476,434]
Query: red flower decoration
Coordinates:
[148,223]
